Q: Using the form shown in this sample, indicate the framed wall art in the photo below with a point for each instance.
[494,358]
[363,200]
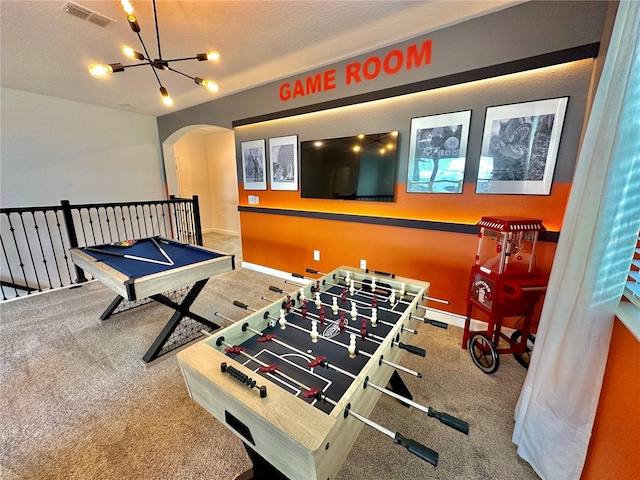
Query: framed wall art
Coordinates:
[283,163]
[520,147]
[254,165]
[438,153]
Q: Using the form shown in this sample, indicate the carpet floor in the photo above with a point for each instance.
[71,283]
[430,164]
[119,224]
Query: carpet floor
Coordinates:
[76,402]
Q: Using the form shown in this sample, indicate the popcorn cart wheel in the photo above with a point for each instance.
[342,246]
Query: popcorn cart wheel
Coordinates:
[484,353]
[523,358]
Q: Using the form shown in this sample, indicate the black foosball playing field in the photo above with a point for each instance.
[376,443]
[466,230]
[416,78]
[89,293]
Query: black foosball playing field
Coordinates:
[297,379]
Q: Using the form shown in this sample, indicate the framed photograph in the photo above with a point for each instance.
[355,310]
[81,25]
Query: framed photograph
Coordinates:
[438,153]
[254,165]
[520,146]
[283,163]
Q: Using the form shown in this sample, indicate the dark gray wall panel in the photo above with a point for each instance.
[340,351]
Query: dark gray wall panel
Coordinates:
[522,31]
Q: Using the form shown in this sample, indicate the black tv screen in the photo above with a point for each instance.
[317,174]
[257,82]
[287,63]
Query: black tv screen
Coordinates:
[362,167]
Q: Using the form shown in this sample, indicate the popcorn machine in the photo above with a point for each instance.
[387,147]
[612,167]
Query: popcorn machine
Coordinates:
[504,283]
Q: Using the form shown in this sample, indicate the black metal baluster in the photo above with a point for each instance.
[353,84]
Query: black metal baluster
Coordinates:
[124,223]
[116,223]
[99,221]
[131,225]
[44,256]
[153,230]
[13,281]
[67,215]
[109,227]
[178,214]
[53,247]
[138,221]
[197,225]
[82,229]
[189,220]
[164,219]
[35,270]
[155,209]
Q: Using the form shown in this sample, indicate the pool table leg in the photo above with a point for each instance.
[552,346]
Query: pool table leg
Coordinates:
[181,311]
[111,308]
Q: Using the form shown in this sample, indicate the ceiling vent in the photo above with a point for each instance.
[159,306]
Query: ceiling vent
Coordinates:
[86,14]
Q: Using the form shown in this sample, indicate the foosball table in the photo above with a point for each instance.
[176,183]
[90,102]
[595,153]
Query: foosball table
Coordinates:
[296,380]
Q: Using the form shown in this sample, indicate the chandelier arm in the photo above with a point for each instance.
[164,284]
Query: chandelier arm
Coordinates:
[148,57]
[138,64]
[155,17]
[183,74]
[181,59]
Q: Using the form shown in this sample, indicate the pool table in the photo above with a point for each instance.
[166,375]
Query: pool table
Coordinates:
[156,269]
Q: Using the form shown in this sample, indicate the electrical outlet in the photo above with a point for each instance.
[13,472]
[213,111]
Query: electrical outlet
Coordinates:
[363,264]
[316,255]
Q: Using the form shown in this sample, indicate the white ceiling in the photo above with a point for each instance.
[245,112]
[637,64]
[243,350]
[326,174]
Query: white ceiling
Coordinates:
[45,50]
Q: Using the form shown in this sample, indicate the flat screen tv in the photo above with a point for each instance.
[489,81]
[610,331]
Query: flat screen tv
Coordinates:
[361,167]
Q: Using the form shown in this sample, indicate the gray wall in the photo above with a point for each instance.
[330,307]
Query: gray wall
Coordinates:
[522,31]
[396,114]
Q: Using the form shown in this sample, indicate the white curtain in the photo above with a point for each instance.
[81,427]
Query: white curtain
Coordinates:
[559,399]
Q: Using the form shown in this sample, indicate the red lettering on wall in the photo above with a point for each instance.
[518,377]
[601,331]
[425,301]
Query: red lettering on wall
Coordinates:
[399,60]
[416,57]
[395,60]
[298,89]
[353,73]
[285,91]
[369,73]
[314,84]
[330,79]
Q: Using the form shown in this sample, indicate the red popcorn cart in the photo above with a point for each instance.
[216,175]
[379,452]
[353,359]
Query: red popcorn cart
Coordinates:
[504,283]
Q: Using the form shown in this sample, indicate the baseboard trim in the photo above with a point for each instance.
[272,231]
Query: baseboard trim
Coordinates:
[220,230]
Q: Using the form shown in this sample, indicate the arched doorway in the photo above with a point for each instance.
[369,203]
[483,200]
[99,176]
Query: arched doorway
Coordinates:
[200,160]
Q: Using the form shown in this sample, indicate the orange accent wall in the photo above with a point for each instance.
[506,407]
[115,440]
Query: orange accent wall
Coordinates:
[444,259]
[614,451]
[466,207]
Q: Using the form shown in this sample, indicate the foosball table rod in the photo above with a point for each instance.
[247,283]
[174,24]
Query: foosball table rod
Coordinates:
[445,418]
[414,447]
[366,354]
[409,348]
[368,317]
[363,305]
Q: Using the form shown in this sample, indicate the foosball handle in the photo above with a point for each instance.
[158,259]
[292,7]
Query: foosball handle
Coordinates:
[378,272]
[311,270]
[297,275]
[418,449]
[240,304]
[415,350]
[450,421]
[276,289]
[435,323]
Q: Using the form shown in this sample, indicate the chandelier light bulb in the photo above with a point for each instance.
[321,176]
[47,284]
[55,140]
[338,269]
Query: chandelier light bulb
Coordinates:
[99,70]
[208,84]
[131,53]
[213,56]
[166,99]
[127,6]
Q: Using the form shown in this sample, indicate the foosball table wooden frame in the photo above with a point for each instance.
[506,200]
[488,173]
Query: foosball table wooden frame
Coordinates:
[287,436]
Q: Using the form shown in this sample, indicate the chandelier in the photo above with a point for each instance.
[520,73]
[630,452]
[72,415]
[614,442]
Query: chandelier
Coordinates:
[100,70]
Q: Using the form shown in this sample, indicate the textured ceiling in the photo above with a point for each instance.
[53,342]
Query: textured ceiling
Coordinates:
[45,50]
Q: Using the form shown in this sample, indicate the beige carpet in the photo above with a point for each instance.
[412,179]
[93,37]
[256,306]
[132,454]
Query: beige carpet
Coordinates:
[77,403]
